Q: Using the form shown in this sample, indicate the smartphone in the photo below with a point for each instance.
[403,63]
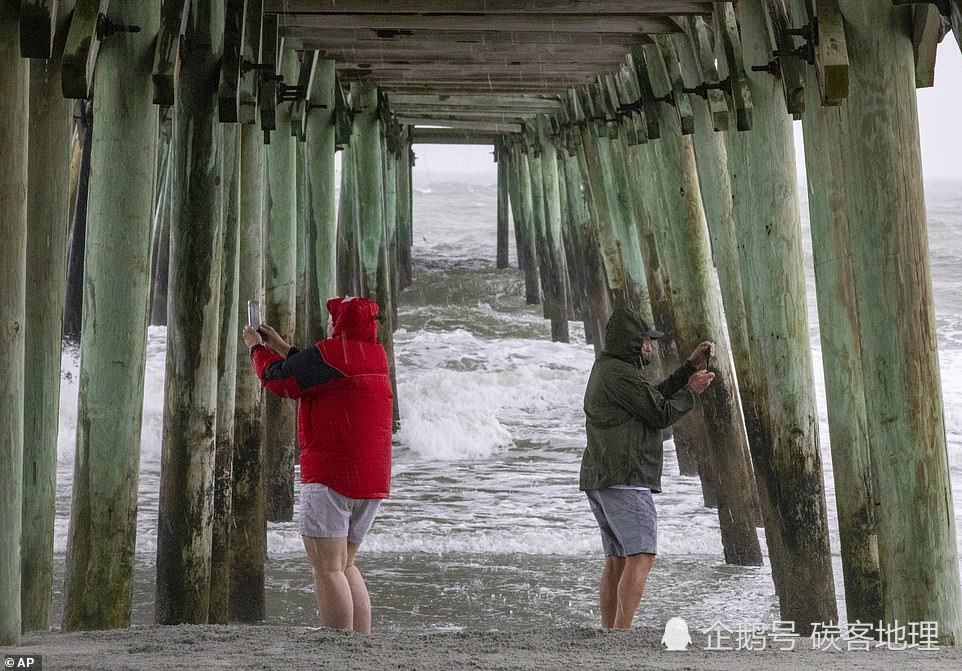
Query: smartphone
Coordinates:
[254,314]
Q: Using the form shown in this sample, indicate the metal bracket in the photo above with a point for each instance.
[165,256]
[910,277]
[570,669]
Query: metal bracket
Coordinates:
[106,27]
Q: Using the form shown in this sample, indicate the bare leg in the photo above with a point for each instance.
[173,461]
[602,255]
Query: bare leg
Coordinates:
[609,590]
[359,596]
[329,561]
[631,587]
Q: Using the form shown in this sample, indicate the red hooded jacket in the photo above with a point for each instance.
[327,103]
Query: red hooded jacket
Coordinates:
[345,416]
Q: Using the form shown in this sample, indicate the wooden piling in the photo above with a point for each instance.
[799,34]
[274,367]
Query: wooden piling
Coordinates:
[715,186]
[597,302]
[14,92]
[193,330]
[280,225]
[348,237]
[841,360]
[248,543]
[103,518]
[304,301]
[519,183]
[369,171]
[47,223]
[73,301]
[716,422]
[405,212]
[223,518]
[879,147]
[552,265]
[785,451]
[322,231]
[501,260]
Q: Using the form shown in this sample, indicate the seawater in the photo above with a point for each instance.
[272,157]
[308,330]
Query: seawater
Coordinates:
[486,528]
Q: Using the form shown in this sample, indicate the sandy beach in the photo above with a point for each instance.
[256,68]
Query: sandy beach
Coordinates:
[274,647]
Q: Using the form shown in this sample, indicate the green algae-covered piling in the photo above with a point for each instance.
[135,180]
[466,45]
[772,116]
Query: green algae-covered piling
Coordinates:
[369,172]
[103,515]
[47,214]
[725,444]
[14,87]
[501,260]
[193,330]
[879,143]
[842,360]
[553,270]
[248,543]
[221,532]
[280,230]
[405,211]
[348,236]
[785,450]
[322,220]
[519,183]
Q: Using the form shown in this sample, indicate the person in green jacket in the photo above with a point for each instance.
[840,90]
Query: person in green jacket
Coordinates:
[625,413]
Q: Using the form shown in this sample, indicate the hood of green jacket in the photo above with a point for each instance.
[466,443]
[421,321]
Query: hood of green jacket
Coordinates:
[624,335]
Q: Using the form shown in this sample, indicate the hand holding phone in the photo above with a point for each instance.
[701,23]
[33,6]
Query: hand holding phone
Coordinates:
[254,314]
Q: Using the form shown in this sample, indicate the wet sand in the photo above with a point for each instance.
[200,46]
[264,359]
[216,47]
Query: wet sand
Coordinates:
[274,647]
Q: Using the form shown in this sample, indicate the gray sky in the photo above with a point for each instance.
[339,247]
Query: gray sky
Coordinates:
[940,108]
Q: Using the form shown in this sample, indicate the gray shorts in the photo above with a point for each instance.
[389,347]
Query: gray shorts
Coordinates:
[628,521]
[324,513]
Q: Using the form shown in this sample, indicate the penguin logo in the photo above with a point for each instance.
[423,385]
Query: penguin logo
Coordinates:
[676,634]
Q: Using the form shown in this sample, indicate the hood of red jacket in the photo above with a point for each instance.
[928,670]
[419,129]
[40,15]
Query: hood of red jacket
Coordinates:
[353,318]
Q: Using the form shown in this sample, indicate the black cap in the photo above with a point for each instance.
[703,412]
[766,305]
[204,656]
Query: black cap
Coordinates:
[655,335]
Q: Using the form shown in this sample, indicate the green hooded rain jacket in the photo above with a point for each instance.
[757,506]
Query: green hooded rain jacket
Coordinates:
[625,412]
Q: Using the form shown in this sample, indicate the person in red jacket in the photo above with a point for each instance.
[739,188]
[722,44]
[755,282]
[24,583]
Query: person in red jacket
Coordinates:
[344,427]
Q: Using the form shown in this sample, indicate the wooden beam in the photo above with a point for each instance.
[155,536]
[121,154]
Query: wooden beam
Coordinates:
[38,23]
[622,7]
[317,38]
[165,54]
[831,54]
[732,64]
[472,100]
[450,52]
[577,23]
[81,49]
[452,136]
[464,124]
[926,35]
[477,115]
[228,91]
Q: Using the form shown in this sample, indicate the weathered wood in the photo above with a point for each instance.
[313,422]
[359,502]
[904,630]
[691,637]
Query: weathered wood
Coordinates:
[842,363]
[781,45]
[452,121]
[250,57]
[81,49]
[228,90]
[280,226]
[160,265]
[320,166]
[955,19]
[519,183]
[926,35]
[103,529]
[879,146]
[715,186]
[14,93]
[73,304]
[371,211]
[706,70]
[785,450]
[223,518]
[38,23]
[270,68]
[631,24]
[306,315]
[731,63]
[185,514]
[501,255]
[553,268]
[722,442]
[348,237]
[165,53]
[486,7]
[831,54]
[452,136]
[248,544]
[467,35]
[47,223]
[405,211]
